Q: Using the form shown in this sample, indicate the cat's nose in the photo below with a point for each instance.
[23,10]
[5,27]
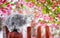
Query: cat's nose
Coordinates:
[12,23]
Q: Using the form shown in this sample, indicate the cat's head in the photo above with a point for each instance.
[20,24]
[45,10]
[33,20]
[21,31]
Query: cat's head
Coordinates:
[15,21]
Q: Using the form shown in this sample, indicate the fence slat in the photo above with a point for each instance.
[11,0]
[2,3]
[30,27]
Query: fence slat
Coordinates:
[39,32]
[5,32]
[47,32]
[28,32]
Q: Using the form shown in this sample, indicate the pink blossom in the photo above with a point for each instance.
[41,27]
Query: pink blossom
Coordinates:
[58,15]
[42,1]
[51,18]
[43,24]
[9,7]
[20,0]
[41,16]
[8,12]
[30,5]
[45,17]
[37,16]
[33,23]
[2,1]
[3,11]
[52,0]
[26,4]
[54,25]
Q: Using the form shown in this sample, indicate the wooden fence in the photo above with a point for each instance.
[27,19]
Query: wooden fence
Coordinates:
[39,34]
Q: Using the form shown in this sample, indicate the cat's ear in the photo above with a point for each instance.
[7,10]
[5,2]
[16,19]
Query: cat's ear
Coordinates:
[29,18]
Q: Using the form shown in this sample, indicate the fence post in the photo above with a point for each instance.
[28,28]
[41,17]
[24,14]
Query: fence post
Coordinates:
[28,32]
[47,30]
[5,32]
[39,32]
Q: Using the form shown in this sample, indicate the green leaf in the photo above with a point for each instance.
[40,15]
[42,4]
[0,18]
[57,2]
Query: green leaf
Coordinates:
[24,7]
[4,5]
[50,4]
[58,22]
[11,2]
[44,10]
[29,0]
[32,0]
[53,15]
[58,9]
[48,1]
[37,4]
[26,0]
